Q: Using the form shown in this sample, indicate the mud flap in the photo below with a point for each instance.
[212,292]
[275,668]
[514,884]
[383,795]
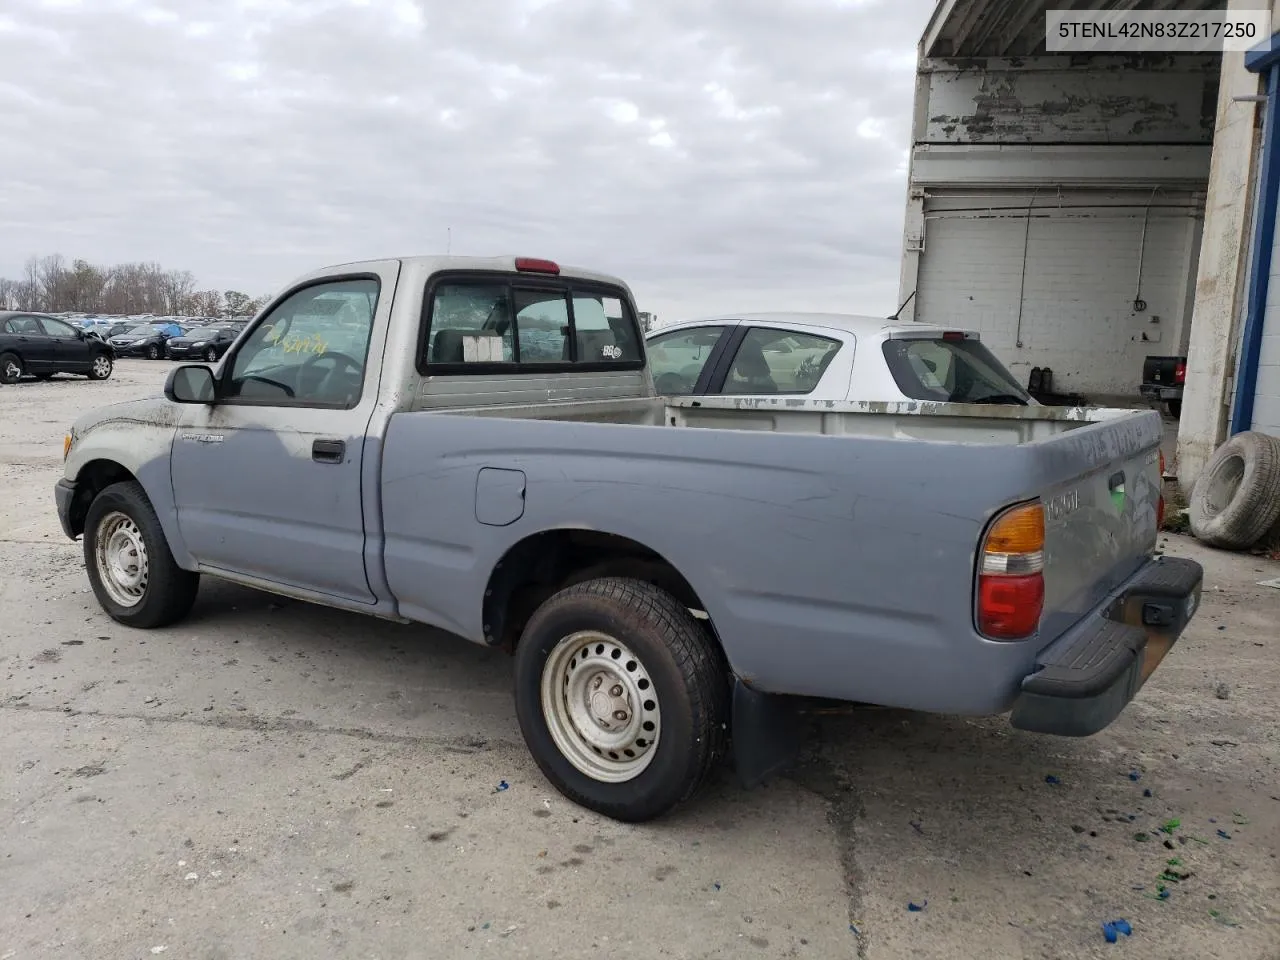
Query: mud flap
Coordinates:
[768,732]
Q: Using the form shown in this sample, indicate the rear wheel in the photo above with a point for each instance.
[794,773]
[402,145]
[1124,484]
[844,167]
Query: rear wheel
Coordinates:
[153,352]
[101,367]
[1175,409]
[10,368]
[130,566]
[622,696]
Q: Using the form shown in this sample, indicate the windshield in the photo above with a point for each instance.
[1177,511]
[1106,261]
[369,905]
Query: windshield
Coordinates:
[143,331]
[951,371]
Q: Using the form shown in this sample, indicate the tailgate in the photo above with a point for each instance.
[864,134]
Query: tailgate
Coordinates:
[1101,521]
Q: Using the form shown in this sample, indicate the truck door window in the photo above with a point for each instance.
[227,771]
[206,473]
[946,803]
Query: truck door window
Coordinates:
[310,350]
[676,359]
[779,361]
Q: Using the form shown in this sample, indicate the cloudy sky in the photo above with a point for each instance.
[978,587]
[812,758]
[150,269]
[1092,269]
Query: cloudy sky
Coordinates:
[717,154]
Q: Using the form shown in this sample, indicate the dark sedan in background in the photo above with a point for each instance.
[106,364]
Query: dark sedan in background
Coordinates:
[144,340]
[42,346]
[206,343]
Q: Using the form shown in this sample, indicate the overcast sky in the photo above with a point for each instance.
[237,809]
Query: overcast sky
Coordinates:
[717,154]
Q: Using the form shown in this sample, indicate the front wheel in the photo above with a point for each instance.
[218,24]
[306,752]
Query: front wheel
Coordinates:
[211,355]
[130,566]
[101,367]
[622,697]
[153,352]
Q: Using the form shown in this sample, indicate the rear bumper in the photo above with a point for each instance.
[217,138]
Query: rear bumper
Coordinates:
[64,492]
[1084,679]
[1157,391]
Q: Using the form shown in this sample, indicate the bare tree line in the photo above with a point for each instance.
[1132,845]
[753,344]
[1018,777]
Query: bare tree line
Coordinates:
[52,285]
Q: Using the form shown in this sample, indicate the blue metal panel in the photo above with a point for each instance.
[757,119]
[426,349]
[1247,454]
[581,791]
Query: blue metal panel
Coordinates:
[1264,234]
[1264,56]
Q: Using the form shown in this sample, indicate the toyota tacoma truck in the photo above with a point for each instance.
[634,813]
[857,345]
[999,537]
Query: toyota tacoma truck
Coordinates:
[476,444]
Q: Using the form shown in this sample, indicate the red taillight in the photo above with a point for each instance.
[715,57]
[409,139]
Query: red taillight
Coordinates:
[1180,373]
[1011,574]
[534,265]
[1009,607]
[953,335]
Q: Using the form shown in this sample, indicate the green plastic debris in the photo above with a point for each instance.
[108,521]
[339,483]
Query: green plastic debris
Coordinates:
[1170,825]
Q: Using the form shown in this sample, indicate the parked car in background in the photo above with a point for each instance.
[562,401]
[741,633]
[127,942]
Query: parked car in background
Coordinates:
[206,343]
[144,340]
[40,346]
[826,356]
[1163,379]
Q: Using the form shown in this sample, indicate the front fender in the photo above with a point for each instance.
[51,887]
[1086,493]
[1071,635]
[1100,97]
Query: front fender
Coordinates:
[136,438]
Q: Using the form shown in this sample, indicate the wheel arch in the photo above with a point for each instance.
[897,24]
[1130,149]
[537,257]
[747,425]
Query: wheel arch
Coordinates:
[543,563]
[91,479]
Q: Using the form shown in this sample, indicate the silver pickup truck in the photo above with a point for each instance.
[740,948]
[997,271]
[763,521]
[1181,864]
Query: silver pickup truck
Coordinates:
[476,445]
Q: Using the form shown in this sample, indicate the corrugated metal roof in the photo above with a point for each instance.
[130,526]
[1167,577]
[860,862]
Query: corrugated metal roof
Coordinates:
[1015,28]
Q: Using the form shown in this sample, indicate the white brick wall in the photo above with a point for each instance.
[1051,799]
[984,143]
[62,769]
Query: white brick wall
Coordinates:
[1082,265]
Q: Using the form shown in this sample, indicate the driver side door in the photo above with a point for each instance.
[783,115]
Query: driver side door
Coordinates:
[267,478]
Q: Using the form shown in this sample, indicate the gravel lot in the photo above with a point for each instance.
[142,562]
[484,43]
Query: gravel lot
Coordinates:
[271,779]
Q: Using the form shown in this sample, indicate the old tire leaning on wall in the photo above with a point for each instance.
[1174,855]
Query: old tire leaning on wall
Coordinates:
[1236,499]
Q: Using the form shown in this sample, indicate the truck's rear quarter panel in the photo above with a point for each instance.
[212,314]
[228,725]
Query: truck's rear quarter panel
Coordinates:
[830,566]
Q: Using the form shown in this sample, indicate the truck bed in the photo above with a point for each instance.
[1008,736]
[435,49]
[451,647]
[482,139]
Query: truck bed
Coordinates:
[945,422]
[857,557]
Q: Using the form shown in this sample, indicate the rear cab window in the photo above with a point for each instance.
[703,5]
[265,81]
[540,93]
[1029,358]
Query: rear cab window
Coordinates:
[514,323]
[951,368]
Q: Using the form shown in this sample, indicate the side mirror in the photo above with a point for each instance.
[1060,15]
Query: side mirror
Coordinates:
[190,383]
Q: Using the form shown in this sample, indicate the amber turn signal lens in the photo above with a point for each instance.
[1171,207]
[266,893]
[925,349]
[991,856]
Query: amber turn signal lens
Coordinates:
[1021,530]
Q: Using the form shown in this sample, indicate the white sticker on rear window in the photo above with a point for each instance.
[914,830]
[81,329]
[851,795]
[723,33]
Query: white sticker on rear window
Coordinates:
[482,348]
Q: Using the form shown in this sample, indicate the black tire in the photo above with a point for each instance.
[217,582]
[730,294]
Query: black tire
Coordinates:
[11,368]
[153,352]
[1236,499]
[96,372]
[169,591]
[688,675]
[1175,409]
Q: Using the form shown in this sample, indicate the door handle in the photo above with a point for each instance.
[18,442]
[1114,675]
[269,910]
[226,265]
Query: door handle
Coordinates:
[328,451]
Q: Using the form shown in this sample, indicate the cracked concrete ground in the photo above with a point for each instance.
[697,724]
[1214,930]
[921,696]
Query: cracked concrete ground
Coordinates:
[272,779]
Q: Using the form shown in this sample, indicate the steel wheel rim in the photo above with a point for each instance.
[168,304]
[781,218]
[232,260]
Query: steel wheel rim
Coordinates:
[121,554]
[601,707]
[101,366]
[211,356]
